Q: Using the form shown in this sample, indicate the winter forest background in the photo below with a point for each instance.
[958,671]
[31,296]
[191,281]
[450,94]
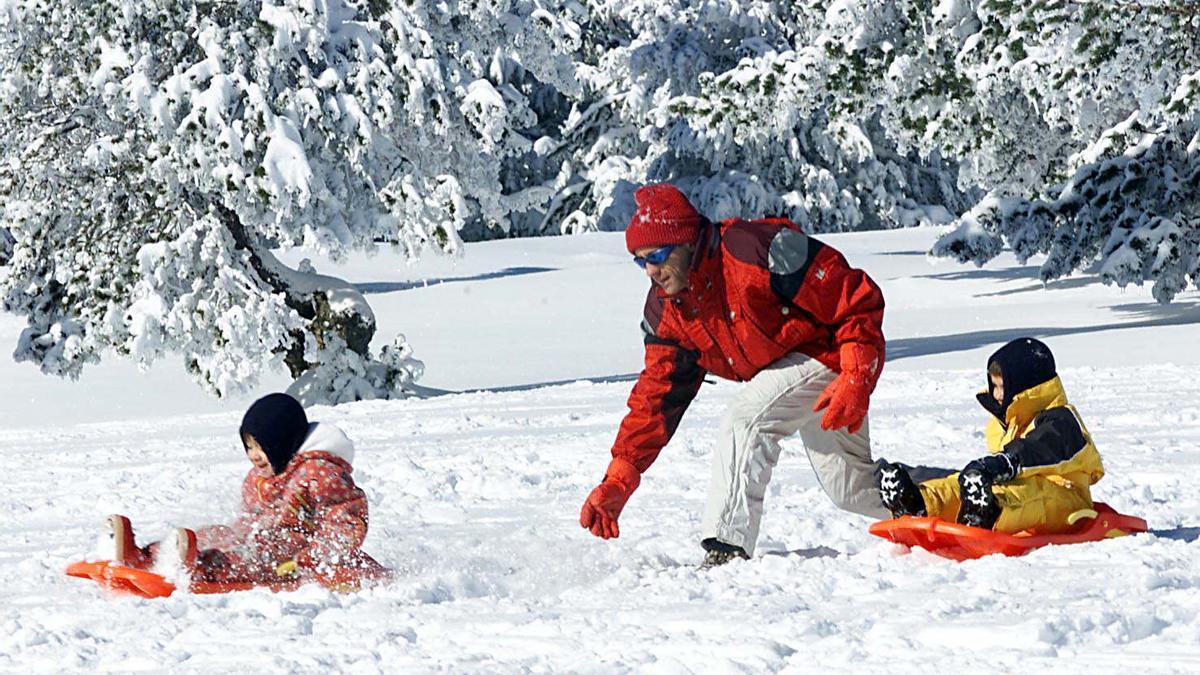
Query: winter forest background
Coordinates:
[158,154]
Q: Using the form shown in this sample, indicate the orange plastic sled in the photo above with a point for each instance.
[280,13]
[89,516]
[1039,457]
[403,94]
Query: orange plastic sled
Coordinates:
[144,583]
[963,542]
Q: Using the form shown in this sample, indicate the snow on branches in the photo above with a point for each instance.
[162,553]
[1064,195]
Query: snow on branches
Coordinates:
[157,152]
[861,114]
[1080,118]
[742,105]
[1136,217]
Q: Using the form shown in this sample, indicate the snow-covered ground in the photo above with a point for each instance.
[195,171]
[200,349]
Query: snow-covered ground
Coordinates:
[474,496]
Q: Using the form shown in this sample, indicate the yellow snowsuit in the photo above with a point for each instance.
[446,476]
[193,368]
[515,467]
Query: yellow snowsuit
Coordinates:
[1059,463]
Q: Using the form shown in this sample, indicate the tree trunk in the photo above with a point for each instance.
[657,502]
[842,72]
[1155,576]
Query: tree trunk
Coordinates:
[331,306]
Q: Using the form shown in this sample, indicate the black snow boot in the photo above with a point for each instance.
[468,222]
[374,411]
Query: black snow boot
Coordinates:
[720,553]
[978,506]
[899,493]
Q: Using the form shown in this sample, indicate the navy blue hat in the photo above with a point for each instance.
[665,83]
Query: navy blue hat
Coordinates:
[1024,364]
[278,423]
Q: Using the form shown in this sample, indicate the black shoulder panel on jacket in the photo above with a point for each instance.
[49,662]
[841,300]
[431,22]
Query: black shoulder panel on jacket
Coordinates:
[1056,438]
[790,256]
[686,377]
[785,252]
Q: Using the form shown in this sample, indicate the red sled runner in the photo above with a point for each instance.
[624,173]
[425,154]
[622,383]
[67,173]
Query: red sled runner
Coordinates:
[963,542]
[126,580]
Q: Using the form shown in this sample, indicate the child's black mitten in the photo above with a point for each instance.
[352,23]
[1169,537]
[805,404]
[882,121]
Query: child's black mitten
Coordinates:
[995,468]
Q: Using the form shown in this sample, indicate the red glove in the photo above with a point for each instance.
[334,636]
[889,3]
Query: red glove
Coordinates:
[604,505]
[849,395]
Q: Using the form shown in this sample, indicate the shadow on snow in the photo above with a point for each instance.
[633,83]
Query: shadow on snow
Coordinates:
[1184,534]
[807,553]
[1155,316]
[369,288]
[1151,314]
[906,348]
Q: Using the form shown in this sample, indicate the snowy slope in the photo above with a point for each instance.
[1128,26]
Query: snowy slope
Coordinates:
[474,496]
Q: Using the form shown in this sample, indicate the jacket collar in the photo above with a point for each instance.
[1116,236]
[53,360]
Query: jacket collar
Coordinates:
[706,255]
[1026,405]
[708,244]
[300,458]
[707,251]
[307,456]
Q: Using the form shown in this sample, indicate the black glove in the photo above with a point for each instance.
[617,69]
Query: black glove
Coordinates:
[995,468]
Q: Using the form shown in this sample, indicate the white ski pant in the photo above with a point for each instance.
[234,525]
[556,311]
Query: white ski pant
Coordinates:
[773,405]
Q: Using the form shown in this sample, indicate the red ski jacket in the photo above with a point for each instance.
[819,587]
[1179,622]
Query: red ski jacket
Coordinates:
[758,291]
[311,513]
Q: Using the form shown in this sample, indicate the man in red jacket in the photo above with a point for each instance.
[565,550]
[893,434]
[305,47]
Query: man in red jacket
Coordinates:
[757,302]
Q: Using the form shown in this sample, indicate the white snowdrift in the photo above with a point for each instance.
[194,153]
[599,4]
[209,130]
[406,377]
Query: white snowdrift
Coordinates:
[474,497]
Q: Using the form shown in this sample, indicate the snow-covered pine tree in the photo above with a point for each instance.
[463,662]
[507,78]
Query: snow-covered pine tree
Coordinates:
[739,103]
[158,151]
[866,113]
[6,246]
[1080,119]
[805,114]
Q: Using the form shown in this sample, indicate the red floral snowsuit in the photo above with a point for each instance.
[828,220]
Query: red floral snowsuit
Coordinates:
[312,513]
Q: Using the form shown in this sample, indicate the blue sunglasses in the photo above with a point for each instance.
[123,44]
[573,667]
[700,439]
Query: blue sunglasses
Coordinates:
[656,257]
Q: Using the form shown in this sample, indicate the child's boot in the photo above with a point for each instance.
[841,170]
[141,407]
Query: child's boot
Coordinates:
[185,544]
[899,493]
[120,546]
[176,554]
[978,506]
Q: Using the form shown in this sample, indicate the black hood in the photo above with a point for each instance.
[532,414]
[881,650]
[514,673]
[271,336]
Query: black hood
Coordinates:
[1024,364]
[278,423]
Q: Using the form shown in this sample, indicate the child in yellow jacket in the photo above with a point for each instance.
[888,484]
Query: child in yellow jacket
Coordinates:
[1042,462]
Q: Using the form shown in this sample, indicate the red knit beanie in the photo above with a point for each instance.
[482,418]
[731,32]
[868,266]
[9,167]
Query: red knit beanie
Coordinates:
[664,216]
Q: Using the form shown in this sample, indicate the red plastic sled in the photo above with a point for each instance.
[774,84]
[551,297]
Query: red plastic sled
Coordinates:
[963,542]
[146,584]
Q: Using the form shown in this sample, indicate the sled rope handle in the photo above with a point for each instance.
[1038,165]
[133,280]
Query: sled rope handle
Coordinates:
[1091,513]
[1080,515]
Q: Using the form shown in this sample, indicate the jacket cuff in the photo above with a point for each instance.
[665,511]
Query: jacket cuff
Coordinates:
[624,472]
[862,360]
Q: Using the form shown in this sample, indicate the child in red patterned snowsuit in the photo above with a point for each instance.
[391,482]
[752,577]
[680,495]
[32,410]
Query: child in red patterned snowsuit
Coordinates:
[302,515]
